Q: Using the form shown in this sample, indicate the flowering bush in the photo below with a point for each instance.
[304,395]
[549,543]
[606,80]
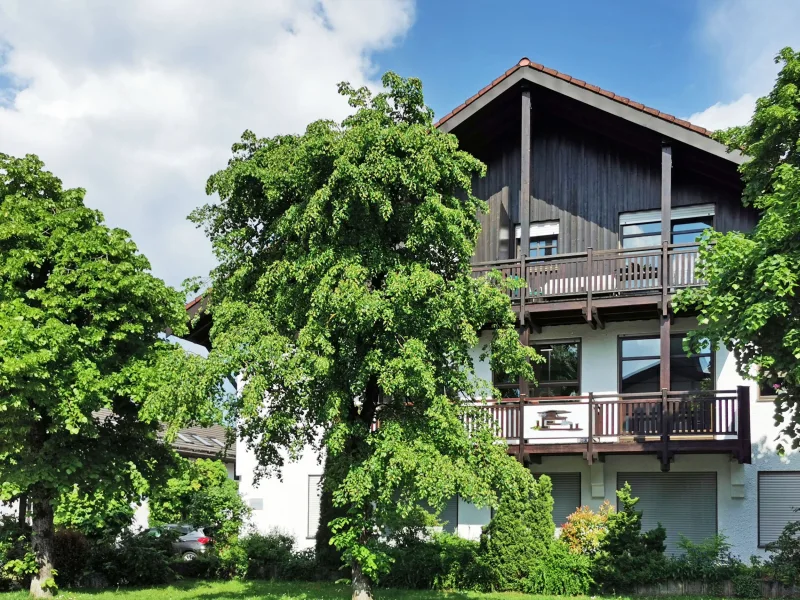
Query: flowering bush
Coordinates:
[585,529]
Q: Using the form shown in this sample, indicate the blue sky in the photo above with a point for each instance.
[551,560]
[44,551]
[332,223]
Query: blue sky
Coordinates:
[139,101]
[651,51]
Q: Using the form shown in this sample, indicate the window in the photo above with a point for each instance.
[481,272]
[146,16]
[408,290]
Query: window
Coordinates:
[685,504]
[314,494]
[559,375]
[643,229]
[543,239]
[640,366]
[778,503]
[767,391]
[566,495]
[508,386]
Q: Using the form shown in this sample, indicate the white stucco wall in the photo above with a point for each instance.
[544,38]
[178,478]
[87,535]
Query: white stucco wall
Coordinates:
[286,502]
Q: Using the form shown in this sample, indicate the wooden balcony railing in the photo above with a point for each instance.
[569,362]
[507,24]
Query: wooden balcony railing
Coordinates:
[636,271]
[596,421]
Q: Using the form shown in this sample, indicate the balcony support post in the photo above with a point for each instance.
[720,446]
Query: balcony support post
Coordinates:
[666,192]
[525,171]
[743,429]
[666,425]
[590,440]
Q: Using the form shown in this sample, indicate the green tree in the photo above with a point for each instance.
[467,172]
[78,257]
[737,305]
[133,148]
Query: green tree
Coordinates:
[344,297]
[200,493]
[81,319]
[750,304]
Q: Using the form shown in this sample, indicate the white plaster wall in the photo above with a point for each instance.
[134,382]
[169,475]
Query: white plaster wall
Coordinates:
[285,501]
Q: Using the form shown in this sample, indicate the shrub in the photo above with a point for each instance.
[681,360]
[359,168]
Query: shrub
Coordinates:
[17,561]
[71,556]
[709,561]
[627,556]
[135,560]
[301,566]
[784,563]
[233,561]
[518,536]
[585,529]
[561,572]
[441,561]
[266,554]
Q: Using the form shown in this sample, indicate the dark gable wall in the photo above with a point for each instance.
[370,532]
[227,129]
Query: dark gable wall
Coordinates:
[584,180]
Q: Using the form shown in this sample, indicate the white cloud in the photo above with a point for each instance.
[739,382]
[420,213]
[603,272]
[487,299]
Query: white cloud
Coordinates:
[745,36]
[139,101]
[721,116]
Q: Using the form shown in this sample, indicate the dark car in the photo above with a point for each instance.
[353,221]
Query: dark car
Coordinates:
[189,542]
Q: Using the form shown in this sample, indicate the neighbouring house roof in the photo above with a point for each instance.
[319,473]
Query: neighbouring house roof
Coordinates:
[196,442]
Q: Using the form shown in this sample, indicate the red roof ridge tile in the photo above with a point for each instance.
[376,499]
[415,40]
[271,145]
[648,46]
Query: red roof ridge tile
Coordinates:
[526,62]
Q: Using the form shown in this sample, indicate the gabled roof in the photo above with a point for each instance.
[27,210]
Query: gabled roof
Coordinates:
[664,123]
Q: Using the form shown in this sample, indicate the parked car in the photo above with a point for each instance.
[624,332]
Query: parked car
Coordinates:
[189,542]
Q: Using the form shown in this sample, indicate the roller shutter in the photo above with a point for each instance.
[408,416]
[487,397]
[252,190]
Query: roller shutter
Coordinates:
[566,495]
[778,496]
[684,503]
[450,514]
[314,494]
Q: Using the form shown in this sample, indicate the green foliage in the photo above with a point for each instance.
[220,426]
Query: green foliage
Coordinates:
[200,493]
[585,529]
[266,553]
[81,329]
[344,295]
[708,561]
[96,515]
[71,556]
[134,560]
[627,556]
[750,304]
[559,572]
[784,563]
[518,550]
[17,561]
[441,561]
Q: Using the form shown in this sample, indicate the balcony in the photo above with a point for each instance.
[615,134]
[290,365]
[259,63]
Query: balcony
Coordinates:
[661,423]
[597,285]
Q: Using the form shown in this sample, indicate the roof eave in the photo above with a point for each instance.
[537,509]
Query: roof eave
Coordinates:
[597,100]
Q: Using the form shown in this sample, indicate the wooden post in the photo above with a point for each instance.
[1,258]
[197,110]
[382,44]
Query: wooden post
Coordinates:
[666,192]
[745,443]
[589,270]
[666,425]
[521,455]
[666,230]
[525,172]
[590,441]
[523,292]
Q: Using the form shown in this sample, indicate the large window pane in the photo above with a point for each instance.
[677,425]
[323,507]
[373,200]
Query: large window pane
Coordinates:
[641,228]
[559,374]
[693,372]
[697,225]
[640,376]
[638,347]
[641,242]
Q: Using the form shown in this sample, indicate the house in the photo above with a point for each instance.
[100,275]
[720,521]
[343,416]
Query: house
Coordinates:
[190,443]
[596,202]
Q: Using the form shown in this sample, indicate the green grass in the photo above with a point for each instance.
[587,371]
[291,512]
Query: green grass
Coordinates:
[265,590]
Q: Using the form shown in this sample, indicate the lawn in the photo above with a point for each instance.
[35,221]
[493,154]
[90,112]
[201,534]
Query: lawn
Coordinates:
[265,590]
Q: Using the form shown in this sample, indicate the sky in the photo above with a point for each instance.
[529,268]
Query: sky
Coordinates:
[139,101]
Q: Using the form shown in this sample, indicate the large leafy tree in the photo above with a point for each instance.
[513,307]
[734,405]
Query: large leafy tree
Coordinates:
[751,304]
[343,298]
[81,319]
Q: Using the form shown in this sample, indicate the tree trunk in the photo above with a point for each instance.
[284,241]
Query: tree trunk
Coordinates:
[362,590]
[22,515]
[43,548]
